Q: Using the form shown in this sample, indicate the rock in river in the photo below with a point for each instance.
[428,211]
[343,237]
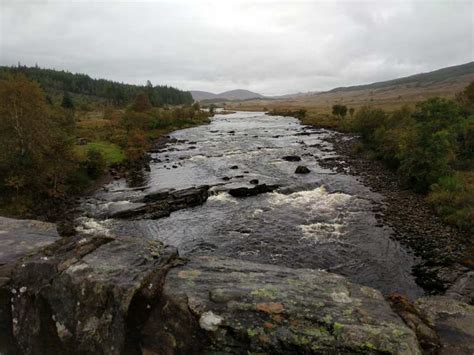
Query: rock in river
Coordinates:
[292,158]
[246,191]
[301,169]
[161,204]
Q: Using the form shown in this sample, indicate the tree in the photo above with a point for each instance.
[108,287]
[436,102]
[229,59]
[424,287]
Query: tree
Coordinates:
[141,103]
[137,146]
[67,102]
[196,106]
[339,110]
[36,156]
[212,107]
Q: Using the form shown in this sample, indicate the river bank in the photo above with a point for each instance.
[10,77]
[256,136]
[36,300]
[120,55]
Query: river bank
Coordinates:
[446,252]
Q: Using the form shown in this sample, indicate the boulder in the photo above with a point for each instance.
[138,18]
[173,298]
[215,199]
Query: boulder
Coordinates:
[453,321]
[18,239]
[301,169]
[87,296]
[22,237]
[292,158]
[222,305]
[463,288]
[252,191]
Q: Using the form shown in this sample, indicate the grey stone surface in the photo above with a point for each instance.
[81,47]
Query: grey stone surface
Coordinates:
[463,288]
[19,238]
[453,321]
[224,305]
[87,295]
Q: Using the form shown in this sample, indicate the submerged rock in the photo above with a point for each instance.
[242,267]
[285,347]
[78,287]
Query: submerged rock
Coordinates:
[301,169]
[252,191]
[221,305]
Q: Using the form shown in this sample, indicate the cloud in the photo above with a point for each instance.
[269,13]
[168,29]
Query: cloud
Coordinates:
[273,47]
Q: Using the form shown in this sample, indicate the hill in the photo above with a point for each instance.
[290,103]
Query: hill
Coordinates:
[238,94]
[87,90]
[423,79]
[390,94]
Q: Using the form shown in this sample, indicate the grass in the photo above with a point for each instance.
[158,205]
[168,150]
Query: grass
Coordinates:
[111,152]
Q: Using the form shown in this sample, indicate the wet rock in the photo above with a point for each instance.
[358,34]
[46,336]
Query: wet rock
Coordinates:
[254,181]
[301,169]
[246,191]
[463,288]
[291,158]
[453,321]
[142,211]
[221,305]
[304,133]
[161,204]
[87,295]
[412,317]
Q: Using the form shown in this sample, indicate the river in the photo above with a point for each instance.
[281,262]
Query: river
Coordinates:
[324,220]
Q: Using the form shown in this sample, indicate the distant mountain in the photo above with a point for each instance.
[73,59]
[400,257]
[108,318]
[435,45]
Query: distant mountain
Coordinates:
[238,94]
[449,74]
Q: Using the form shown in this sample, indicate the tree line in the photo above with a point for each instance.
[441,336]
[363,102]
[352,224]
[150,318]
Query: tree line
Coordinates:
[114,93]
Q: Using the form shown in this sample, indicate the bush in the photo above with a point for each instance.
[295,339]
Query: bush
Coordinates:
[95,164]
[366,122]
[453,199]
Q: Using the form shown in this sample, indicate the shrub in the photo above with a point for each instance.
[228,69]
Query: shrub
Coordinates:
[95,164]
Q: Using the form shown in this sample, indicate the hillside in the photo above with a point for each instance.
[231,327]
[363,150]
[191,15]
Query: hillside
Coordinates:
[238,94]
[87,90]
[448,74]
[390,94]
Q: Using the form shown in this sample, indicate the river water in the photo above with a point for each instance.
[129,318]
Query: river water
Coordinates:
[324,220]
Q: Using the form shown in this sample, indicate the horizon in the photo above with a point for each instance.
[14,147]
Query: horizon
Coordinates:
[269,47]
[231,89]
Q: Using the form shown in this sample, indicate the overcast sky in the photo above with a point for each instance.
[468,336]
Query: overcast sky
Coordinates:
[272,47]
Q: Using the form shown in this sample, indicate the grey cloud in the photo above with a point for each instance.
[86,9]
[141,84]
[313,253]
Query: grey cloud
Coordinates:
[272,47]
